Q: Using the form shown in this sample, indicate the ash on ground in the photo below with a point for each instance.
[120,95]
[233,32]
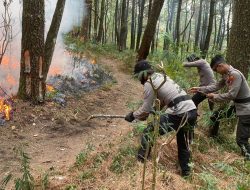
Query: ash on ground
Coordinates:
[83,77]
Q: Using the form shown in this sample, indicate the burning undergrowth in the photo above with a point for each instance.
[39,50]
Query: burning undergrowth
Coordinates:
[84,76]
[6,107]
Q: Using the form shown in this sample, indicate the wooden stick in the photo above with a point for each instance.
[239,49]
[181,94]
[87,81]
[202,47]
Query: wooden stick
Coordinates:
[105,116]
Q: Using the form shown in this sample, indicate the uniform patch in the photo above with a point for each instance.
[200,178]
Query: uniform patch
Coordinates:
[230,79]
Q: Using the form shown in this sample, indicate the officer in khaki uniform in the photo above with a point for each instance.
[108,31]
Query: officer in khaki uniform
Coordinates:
[206,77]
[178,103]
[238,91]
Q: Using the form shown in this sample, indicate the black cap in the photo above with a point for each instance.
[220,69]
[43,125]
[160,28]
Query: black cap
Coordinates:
[141,66]
[192,58]
[217,60]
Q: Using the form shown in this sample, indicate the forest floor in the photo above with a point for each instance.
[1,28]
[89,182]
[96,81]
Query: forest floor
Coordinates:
[69,152]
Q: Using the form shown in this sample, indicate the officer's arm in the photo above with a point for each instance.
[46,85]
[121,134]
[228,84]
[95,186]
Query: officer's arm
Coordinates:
[143,112]
[212,88]
[193,64]
[234,87]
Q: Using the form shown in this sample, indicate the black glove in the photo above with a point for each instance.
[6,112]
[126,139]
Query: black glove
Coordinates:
[129,117]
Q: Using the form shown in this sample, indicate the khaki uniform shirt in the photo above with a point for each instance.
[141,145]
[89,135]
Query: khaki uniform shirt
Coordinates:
[237,89]
[205,72]
[168,92]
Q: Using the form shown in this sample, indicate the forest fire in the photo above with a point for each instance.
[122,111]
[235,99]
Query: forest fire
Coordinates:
[5,109]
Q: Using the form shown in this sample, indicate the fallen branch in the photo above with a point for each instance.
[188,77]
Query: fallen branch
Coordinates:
[105,116]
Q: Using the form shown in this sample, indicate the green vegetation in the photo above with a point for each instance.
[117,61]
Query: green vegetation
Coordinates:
[124,160]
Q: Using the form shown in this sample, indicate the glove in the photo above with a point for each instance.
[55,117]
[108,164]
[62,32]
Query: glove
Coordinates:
[129,117]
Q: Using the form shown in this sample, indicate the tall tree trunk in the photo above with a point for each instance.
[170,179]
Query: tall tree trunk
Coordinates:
[100,31]
[140,23]
[117,22]
[239,42]
[31,81]
[96,6]
[210,28]
[123,31]
[197,32]
[204,24]
[177,26]
[86,24]
[132,39]
[228,21]
[150,29]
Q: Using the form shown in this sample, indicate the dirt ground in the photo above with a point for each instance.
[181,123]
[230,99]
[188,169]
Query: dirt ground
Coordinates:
[53,135]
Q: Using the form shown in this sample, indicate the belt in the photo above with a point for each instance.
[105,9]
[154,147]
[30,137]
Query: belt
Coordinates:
[243,100]
[178,100]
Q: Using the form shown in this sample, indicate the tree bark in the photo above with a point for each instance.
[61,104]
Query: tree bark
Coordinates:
[140,23]
[132,31]
[31,81]
[100,31]
[150,29]
[210,28]
[239,42]
[197,32]
[177,26]
[86,24]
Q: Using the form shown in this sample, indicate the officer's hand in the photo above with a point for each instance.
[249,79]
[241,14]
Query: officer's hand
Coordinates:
[129,117]
[210,96]
[193,89]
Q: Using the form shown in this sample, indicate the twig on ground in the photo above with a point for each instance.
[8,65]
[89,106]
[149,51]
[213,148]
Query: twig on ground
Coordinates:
[105,116]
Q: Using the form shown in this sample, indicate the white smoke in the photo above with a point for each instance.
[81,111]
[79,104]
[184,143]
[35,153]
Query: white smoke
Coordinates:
[10,69]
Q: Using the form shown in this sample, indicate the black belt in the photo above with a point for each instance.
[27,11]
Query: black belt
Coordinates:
[178,100]
[243,100]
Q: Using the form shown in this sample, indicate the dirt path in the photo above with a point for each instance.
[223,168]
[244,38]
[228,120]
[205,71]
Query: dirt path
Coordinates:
[53,136]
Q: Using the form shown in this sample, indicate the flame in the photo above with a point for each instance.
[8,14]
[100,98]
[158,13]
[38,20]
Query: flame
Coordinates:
[49,88]
[93,61]
[6,109]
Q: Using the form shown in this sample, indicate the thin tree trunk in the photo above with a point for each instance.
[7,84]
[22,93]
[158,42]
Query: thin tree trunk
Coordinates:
[197,32]
[140,23]
[100,31]
[132,41]
[177,27]
[52,35]
[210,28]
[86,24]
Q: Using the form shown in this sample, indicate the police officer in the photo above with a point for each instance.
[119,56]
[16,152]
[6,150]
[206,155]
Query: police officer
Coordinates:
[179,105]
[238,91]
[206,77]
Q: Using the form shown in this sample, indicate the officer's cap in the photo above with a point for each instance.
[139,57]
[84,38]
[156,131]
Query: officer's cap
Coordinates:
[141,66]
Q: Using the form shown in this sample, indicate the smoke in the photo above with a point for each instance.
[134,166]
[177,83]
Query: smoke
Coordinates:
[10,68]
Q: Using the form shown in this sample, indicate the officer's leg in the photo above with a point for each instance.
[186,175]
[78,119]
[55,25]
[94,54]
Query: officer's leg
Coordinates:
[214,128]
[198,98]
[146,140]
[243,134]
[146,143]
[211,105]
[183,144]
[215,118]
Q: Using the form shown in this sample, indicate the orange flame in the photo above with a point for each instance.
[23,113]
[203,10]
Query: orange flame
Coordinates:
[6,109]
[49,88]
[93,61]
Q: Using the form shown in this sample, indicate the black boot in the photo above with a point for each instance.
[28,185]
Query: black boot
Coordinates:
[141,155]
